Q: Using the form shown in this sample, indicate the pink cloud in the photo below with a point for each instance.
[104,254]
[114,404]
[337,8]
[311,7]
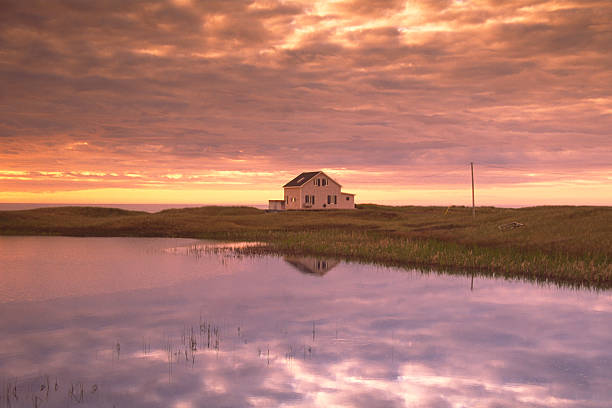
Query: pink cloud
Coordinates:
[419,88]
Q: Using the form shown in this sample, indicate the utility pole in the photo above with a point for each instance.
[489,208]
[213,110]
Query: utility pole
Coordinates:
[473,207]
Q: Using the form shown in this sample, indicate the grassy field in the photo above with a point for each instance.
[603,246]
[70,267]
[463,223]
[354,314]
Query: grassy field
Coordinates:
[568,245]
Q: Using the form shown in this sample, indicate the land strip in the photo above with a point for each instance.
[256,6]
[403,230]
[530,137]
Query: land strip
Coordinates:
[563,244]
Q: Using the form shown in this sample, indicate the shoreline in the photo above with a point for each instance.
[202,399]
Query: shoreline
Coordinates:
[567,245]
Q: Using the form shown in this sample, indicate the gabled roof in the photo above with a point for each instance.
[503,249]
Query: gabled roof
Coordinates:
[301,179]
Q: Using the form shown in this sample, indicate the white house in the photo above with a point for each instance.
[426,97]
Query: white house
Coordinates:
[313,190]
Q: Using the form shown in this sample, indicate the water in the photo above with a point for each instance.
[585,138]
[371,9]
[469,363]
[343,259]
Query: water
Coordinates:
[151,208]
[126,322]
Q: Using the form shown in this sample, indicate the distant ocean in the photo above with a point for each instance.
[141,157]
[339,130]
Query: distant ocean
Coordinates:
[152,208]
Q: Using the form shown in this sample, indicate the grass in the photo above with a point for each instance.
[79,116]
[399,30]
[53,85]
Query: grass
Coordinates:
[571,245]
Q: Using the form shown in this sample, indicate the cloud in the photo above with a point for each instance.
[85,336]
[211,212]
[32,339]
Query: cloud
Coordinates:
[246,84]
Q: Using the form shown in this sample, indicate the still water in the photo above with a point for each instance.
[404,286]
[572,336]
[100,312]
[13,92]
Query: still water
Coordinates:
[122,322]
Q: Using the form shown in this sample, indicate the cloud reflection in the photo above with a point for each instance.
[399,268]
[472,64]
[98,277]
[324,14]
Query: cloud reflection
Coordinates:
[360,336]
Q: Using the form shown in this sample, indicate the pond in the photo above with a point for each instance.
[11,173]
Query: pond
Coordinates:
[138,322]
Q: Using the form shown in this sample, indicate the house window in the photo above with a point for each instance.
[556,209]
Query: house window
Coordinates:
[312,199]
[306,199]
[348,198]
[324,182]
[335,199]
[328,199]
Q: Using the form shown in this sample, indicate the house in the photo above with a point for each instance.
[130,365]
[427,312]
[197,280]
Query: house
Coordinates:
[313,190]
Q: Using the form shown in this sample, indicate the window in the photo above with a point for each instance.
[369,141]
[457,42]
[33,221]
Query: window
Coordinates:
[348,198]
[335,199]
[318,182]
[306,199]
[312,199]
[324,182]
[328,199]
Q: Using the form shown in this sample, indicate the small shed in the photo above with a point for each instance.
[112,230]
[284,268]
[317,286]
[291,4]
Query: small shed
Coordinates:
[276,205]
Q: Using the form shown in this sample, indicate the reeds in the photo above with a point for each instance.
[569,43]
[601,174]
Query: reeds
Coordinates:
[38,391]
[387,249]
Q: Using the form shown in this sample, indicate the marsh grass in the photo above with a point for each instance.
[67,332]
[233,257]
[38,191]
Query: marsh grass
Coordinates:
[570,245]
[380,248]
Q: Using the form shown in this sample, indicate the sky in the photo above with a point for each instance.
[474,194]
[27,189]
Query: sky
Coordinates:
[223,101]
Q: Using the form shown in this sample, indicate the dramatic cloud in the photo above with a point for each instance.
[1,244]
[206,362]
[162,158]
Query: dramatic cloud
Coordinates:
[400,96]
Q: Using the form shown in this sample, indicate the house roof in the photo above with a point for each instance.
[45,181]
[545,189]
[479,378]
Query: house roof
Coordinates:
[301,179]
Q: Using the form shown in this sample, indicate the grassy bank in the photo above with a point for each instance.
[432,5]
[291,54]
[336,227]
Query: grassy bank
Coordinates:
[565,244]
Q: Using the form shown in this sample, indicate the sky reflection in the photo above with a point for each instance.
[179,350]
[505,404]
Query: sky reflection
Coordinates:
[175,330]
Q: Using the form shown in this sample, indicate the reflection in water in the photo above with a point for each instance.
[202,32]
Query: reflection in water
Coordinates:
[148,328]
[310,265]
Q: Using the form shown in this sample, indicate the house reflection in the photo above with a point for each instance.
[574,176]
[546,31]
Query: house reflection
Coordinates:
[312,266]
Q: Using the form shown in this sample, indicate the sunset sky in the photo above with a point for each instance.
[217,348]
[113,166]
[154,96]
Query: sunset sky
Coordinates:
[222,102]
